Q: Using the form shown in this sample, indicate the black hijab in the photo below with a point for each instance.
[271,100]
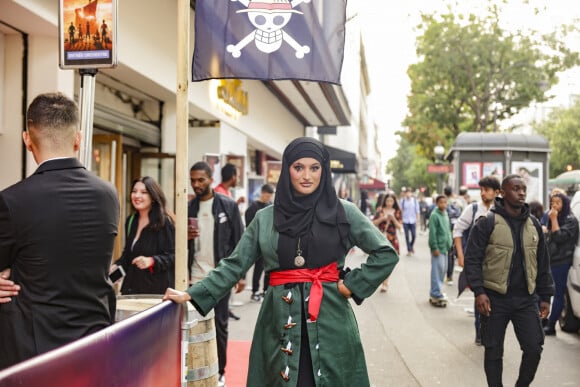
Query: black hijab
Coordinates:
[318,219]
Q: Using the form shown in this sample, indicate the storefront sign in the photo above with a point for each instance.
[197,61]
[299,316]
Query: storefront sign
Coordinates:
[232,99]
[439,168]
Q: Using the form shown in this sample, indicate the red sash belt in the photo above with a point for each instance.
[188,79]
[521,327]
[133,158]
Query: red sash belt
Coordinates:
[328,273]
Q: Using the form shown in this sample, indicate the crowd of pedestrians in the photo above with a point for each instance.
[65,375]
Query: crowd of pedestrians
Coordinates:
[514,257]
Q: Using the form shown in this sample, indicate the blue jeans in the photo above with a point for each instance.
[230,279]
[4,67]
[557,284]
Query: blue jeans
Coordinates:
[438,269]
[560,275]
[409,228]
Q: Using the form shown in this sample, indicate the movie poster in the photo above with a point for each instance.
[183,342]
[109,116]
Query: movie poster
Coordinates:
[88,33]
[255,184]
[214,161]
[239,162]
[273,170]
[471,174]
[532,174]
[493,168]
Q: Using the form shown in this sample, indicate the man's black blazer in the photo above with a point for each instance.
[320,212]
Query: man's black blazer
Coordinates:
[57,231]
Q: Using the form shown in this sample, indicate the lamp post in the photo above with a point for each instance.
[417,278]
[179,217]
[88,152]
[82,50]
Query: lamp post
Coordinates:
[439,151]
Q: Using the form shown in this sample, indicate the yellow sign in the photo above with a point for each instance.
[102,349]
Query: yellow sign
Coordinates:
[336,164]
[232,99]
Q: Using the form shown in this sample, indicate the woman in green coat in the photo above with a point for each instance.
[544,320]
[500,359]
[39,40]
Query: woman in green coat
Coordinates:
[306,333]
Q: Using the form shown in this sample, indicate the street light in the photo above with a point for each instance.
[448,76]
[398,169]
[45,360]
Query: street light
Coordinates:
[439,151]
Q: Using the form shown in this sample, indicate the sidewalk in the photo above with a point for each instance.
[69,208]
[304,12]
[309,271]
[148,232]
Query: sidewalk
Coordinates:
[406,341]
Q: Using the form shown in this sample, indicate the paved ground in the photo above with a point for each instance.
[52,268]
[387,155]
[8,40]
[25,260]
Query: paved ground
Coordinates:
[407,342]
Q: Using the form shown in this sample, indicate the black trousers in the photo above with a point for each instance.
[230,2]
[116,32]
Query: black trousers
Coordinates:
[258,269]
[222,316]
[523,313]
[450,263]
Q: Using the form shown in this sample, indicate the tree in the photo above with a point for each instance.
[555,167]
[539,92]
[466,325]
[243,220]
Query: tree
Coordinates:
[562,129]
[472,73]
[409,169]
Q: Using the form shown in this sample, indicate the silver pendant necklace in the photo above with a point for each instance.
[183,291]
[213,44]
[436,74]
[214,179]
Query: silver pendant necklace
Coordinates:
[299,259]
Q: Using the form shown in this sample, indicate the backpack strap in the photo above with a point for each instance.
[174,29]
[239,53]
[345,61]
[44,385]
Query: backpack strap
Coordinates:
[129,224]
[473,214]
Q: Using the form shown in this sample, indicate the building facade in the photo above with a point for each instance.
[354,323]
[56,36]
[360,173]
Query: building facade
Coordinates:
[135,103]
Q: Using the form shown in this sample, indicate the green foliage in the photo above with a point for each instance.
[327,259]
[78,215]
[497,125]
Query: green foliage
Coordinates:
[408,169]
[562,129]
[472,73]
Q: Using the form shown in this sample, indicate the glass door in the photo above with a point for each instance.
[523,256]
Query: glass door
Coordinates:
[107,163]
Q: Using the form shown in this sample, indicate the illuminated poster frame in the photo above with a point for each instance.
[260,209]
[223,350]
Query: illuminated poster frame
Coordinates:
[87,34]
[239,162]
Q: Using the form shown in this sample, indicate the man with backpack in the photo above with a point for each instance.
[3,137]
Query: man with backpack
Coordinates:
[454,212]
[508,268]
[489,189]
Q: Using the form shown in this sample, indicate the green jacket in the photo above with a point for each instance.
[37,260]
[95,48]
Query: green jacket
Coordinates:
[439,231]
[499,255]
[489,259]
[335,346]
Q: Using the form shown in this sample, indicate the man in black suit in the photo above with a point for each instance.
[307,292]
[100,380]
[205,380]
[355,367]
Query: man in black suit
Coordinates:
[57,230]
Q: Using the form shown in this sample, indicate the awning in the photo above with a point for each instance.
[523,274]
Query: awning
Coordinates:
[342,161]
[373,185]
[566,178]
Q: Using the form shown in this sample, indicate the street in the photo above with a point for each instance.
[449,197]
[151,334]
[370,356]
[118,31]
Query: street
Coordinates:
[408,342]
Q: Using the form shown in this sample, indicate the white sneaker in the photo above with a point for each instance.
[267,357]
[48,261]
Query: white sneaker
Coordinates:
[222,381]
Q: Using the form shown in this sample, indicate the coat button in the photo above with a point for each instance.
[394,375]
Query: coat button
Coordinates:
[284,374]
[290,324]
[288,349]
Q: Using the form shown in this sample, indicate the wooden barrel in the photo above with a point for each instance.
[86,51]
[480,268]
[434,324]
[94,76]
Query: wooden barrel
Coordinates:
[201,359]
[133,304]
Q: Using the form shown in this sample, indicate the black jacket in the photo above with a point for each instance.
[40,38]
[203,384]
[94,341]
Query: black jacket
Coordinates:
[228,226]
[562,243]
[157,244]
[252,209]
[57,231]
[475,254]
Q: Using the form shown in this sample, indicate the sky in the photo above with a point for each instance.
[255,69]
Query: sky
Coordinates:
[389,39]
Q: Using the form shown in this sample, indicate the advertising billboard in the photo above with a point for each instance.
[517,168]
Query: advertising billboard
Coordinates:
[87,34]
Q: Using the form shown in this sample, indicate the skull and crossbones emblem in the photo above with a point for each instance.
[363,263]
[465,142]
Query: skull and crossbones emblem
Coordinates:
[269,17]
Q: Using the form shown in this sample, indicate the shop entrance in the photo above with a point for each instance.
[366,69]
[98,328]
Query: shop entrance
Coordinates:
[120,164]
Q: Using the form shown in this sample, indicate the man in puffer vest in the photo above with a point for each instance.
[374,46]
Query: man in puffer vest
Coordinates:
[508,268]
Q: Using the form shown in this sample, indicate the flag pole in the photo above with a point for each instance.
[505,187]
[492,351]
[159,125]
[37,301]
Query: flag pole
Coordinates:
[181,151]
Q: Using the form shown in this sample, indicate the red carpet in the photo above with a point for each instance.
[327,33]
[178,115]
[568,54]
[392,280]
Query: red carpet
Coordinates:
[237,366]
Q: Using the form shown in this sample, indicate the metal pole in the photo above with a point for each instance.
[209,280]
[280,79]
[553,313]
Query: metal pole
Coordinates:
[182,151]
[87,102]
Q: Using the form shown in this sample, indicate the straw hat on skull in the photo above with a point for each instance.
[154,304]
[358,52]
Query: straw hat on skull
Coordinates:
[269,6]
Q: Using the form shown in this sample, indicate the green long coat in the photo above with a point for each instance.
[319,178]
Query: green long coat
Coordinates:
[335,346]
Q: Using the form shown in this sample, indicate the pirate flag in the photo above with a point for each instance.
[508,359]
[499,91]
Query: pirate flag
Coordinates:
[269,39]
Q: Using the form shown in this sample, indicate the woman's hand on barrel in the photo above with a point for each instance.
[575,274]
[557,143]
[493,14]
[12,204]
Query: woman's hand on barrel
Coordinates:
[176,296]
[342,289]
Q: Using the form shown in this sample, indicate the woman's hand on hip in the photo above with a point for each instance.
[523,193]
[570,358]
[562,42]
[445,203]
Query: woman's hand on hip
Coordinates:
[342,289]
